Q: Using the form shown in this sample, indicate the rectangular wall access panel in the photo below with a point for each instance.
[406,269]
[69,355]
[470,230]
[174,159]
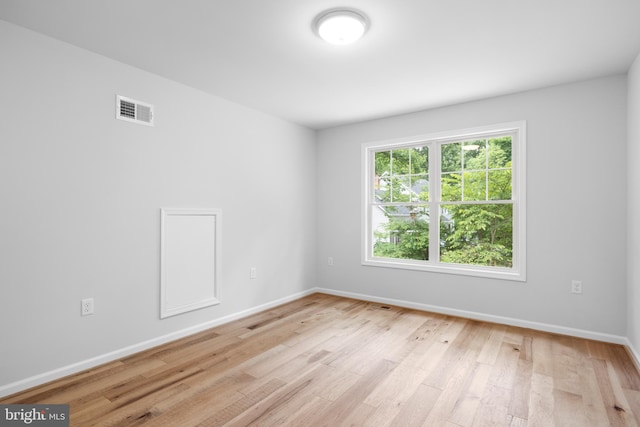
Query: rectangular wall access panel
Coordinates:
[189,259]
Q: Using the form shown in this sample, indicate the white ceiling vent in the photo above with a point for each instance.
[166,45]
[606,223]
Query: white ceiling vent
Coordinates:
[134,111]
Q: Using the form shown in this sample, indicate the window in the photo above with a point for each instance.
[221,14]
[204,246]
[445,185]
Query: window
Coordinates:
[452,202]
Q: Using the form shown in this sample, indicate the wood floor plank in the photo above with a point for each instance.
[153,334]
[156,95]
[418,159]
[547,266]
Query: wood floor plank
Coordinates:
[324,360]
[504,370]
[569,409]
[336,384]
[519,404]
[594,408]
[542,355]
[398,386]
[494,408]
[468,403]
[541,403]
[417,408]
[240,406]
[518,422]
[615,402]
[633,399]
[311,411]
[492,346]
[353,397]
[452,388]
[289,399]
[381,415]
[626,371]
[300,364]
[565,370]
[214,398]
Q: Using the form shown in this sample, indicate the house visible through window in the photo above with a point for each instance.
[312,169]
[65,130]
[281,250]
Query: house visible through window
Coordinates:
[450,202]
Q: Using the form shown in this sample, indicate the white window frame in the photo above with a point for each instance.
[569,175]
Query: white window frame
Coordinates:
[518,271]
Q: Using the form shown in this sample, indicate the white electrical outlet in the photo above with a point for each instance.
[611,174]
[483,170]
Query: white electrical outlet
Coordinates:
[253,273]
[87,306]
[576,287]
[330,260]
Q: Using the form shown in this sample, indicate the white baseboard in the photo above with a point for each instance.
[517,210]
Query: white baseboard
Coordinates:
[563,330]
[15,387]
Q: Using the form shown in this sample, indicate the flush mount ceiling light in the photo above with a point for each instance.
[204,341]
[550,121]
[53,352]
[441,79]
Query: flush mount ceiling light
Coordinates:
[340,26]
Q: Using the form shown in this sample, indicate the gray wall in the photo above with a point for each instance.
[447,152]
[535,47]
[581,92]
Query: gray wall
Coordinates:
[576,209]
[81,194]
[633,215]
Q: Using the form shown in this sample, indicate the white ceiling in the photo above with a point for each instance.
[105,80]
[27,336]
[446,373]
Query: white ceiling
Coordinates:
[418,54]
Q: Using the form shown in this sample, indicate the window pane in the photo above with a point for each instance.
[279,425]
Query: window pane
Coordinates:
[401,232]
[500,152]
[500,184]
[475,186]
[420,188]
[420,160]
[382,189]
[401,189]
[451,157]
[477,234]
[400,162]
[475,154]
[383,163]
[451,189]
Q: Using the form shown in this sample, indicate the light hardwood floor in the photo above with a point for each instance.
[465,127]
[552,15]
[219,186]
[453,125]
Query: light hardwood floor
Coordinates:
[329,361]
